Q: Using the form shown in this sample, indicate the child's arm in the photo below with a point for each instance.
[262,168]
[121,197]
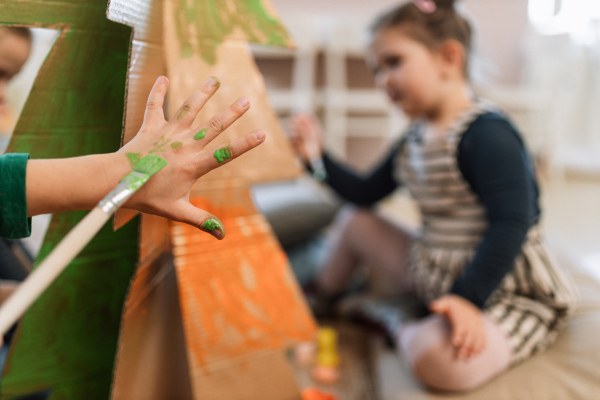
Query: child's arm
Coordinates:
[80,183]
[466,320]
[362,190]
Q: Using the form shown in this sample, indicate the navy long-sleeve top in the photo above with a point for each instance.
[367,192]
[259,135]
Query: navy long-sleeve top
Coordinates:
[494,161]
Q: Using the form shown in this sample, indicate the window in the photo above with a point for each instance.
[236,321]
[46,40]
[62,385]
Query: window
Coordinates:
[578,18]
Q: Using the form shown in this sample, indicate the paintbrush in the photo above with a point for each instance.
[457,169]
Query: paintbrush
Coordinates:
[75,241]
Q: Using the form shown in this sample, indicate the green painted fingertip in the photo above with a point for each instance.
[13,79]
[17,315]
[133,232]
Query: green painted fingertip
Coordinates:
[214,227]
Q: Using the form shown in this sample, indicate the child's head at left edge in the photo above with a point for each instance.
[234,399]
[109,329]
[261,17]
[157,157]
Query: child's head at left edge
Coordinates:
[15,47]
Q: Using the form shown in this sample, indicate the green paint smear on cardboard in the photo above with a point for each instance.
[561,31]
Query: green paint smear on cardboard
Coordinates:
[134,158]
[68,338]
[200,135]
[176,145]
[223,154]
[211,225]
[211,21]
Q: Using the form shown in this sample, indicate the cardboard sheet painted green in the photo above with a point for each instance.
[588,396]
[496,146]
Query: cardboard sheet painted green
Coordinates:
[66,341]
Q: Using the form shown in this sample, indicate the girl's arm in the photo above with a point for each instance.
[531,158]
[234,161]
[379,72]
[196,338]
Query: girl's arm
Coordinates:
[494,161]
[80,183]
[307,139]
[363,190]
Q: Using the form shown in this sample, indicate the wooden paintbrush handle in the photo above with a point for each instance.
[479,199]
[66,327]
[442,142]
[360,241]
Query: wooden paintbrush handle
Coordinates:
[43,276]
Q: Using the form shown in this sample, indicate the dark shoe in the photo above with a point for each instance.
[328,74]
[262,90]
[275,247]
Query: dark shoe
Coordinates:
[321,304]
[384,316]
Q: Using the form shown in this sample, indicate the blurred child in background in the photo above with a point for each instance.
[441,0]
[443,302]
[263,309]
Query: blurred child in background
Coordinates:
[496,296]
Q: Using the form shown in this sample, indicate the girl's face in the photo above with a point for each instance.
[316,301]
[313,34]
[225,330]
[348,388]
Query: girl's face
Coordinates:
[409,72]
[14,51]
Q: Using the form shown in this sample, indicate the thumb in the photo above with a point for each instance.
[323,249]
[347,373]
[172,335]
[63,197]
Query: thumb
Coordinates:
[439,306]
[154,108]
[200,219]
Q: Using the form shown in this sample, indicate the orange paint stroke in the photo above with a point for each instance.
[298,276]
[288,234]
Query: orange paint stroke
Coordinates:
[238,295]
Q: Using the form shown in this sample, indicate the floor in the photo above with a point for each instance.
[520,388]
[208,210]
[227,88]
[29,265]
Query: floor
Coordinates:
[572,224]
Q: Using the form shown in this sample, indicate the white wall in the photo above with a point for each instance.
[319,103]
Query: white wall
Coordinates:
[499,24]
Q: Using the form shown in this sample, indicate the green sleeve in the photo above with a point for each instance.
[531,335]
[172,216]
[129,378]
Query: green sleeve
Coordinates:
[14,222]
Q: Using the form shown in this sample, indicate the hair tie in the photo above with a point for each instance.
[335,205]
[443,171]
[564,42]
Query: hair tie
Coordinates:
[426,6]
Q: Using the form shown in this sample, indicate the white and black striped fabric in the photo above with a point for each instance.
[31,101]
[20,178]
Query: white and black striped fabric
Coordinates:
[534,299]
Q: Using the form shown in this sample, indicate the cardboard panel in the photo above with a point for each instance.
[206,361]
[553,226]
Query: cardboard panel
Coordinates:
[208,38]
[238,296]
[146,64]
[152,360]
[264,376]
[66,341]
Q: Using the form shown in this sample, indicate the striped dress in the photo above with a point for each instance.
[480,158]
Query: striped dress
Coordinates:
[533,300]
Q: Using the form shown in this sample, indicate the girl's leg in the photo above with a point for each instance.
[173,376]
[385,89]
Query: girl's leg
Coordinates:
[427,348]
[361,236]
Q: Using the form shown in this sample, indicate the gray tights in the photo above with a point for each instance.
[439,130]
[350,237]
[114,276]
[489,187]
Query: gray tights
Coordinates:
[362,237]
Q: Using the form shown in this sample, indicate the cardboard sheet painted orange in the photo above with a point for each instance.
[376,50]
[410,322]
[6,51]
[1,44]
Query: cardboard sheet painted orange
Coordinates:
[240,303]
[240,306]
[238,295]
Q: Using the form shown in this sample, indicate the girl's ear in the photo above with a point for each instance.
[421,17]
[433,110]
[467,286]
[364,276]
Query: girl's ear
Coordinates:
[453,57]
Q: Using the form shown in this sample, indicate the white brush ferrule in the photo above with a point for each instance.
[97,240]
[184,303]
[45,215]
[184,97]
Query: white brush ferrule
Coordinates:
[116,199]
[124,190]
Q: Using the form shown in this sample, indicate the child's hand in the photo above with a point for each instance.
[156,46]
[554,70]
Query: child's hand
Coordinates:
[182,145]
[307,136]
[468,331]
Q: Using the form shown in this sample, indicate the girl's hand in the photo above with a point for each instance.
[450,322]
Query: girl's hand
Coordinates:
[468,331]
[307,136]
[182,145]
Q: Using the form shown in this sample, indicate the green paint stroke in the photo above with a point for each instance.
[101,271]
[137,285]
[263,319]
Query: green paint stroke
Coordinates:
[200,135]
[211,21]
[212,224]
[223,154]
[176,145]
[134,158]
[68,338]
[143,171]
[160,145]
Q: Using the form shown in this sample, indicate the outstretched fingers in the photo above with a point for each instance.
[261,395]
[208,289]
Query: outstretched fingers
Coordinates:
[185,115]
[234,149]
[217,124]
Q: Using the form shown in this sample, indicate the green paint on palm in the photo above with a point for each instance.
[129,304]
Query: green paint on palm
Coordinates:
[176,145]
[143,171]
[159,146]
[200,135]
[211,225]
[202,25]
[223,154]
[134,158]
[68,338]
